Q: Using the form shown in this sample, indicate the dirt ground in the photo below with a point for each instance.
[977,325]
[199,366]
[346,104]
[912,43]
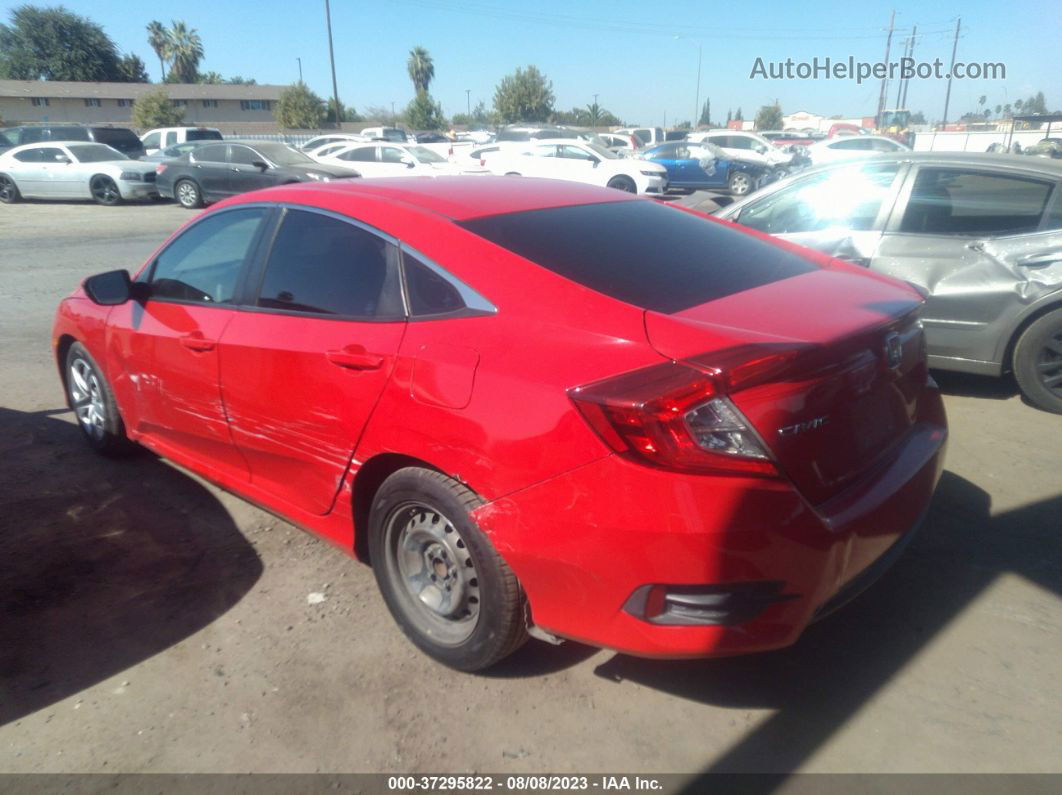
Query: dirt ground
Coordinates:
[152,623]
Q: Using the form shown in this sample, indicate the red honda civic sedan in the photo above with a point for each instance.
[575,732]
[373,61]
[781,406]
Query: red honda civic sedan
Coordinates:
[534,407]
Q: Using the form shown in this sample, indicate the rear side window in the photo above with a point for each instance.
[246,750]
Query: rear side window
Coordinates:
[640,252]
[202,135]
[954,202]
[204,263]
[429,292]
[364,154]
[327,266]
[211,153]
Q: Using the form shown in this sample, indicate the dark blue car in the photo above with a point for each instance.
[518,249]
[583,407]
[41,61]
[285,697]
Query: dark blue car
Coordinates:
[704,166]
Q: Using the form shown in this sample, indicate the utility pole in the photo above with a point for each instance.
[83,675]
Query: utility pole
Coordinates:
[332,58]
[947,96]
[697,101]
[885,80]
[468,104]
[300,68]
[899,83]
[907,82]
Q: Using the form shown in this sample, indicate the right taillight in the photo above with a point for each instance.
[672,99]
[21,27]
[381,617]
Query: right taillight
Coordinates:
[674,416]
[160,168]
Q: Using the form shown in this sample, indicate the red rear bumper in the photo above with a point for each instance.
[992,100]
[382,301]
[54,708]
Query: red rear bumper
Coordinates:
[584,542]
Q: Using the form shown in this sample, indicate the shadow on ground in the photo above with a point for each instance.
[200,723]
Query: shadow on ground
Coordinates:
[103,566]
[978,386]
[842,662]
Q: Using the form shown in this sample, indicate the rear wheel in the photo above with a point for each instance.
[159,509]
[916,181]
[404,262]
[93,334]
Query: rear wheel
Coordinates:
[445,585]
[188,194]
[105,191]
[90,396]
[739,183]
[625,184]
[1038,362]
[8,190]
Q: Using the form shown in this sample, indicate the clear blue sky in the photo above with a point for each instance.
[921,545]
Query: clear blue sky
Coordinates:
[624,51]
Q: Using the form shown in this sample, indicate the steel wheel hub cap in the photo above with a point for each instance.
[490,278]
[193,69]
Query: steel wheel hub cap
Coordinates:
[437,571]
[86,395]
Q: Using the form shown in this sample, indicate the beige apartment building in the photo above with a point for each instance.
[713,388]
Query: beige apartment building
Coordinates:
[223,106]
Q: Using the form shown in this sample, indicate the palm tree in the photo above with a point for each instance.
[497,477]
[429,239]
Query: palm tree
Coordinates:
[160,41]
[186,49]
[421,69]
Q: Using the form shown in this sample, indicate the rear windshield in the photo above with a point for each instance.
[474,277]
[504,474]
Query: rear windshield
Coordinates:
[202,135]
[641,252]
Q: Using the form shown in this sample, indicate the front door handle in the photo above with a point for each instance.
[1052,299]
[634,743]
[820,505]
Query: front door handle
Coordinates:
[197,342]
[355,358]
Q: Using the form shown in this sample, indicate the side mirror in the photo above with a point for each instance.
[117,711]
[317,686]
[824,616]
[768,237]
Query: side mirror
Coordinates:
[595,161]
[409,163]
[260,164]
[110,288]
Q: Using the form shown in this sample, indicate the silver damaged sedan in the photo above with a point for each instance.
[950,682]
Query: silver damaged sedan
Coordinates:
[980,234]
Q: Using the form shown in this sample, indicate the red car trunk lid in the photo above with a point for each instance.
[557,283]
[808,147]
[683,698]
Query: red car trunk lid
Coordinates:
[831,378]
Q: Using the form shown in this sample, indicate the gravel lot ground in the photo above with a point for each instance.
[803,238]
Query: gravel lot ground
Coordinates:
[152,623]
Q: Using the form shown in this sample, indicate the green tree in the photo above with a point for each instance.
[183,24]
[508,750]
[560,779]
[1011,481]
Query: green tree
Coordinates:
[186,50]
[242,81]
[525,95]
[998,109]
[424,113]
[421,69]
[298,108]
[738,116]
[154,109]
[918,118]
[769,117]
[706,114]
[54,44]
[159,40]
[729,116]
[209,78]
[346,113]
[132,69]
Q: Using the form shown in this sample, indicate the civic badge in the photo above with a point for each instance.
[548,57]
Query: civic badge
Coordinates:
[893,350]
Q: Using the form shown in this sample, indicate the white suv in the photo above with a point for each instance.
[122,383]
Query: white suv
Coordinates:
[578,161]
[165,137]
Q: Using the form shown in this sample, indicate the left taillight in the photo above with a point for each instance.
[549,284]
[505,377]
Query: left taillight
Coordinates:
[160,168]
[677,417]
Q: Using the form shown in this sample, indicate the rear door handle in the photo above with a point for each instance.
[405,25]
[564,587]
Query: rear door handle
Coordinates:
[355,360]
[197,342]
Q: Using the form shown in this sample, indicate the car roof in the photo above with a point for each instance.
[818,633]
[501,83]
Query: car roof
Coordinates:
[1049,168]
[458,198]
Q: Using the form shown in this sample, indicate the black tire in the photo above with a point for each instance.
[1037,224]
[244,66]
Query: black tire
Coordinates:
[1038,362]
[425,548]
[188,194]
[8,190]
[739,183]
[105,191]
[90,397]
[625,184]
[512,174]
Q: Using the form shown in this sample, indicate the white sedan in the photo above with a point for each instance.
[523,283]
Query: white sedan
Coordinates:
[579,161]
[383,159]
[74,170]
[852,146]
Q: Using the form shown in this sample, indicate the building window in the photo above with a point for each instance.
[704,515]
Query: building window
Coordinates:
[210,103]
[91,102]
[180,103]
[40,102]
[255,104]
[125,103]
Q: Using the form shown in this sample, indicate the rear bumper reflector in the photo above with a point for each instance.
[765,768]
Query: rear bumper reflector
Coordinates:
[704,605]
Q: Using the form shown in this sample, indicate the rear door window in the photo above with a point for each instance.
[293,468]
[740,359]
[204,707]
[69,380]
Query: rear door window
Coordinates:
[641,252]
[323,265]
[950,201]
[363,154]
[211,153]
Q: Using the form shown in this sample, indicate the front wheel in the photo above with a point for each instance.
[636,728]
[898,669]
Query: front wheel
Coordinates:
[90,396]
[442,580]
[105,191]
[1038,362]
[188,194]
[625,184]
[739,183]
